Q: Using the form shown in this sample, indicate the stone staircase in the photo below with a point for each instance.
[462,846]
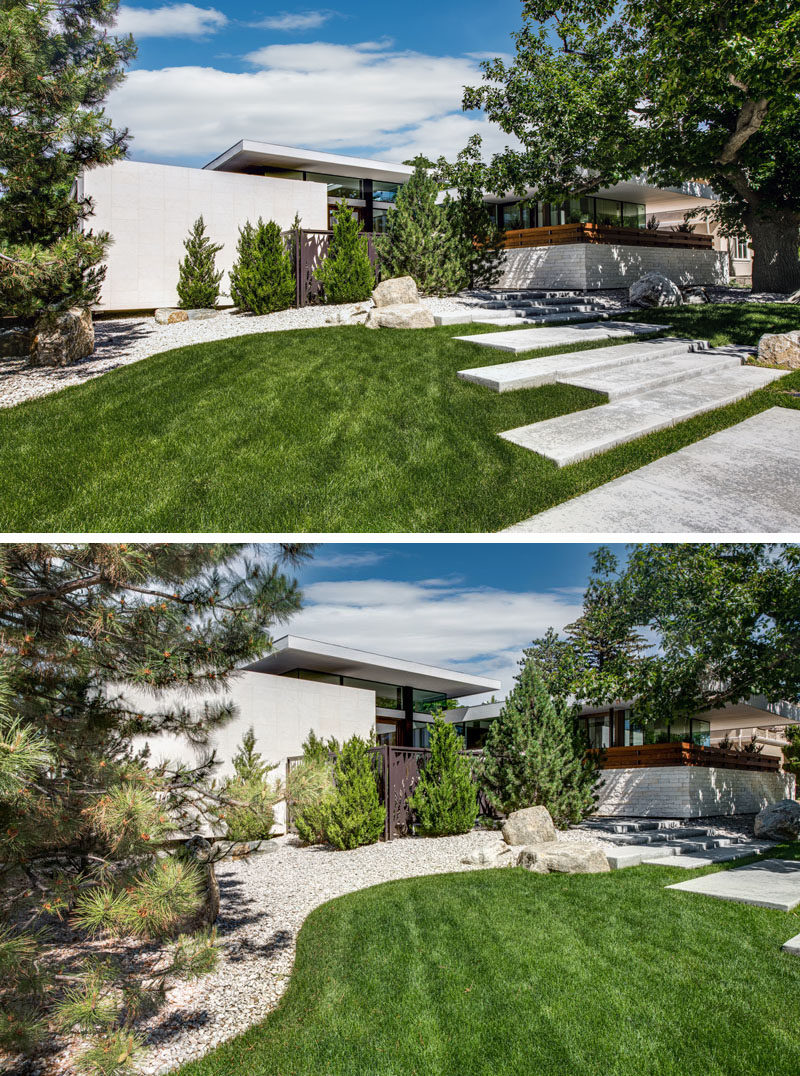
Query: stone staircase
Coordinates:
[529,307]
[667,842]
[650,385]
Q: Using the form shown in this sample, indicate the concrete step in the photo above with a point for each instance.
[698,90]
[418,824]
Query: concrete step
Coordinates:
[675,856]
[518,341]
[513,318]
[547,369]
[633,381]
[583,434]
[534,306]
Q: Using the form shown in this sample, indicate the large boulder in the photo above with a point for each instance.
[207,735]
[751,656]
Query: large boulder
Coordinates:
[565,857]
[401,316]
[779,821]
[61,339]
[780,349]
[533,825]
[655,289]
[169,315]
[399,290]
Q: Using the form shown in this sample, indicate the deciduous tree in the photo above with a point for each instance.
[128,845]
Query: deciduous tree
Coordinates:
[674,91]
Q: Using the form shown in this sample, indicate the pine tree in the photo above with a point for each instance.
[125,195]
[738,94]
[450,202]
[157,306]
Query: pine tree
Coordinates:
[445,799]
[355,815]
[478,239]
[261,278]
[533,754]
[346,273]
[251,792]
[419,240]
[198,279]
[82,810]
[59,63]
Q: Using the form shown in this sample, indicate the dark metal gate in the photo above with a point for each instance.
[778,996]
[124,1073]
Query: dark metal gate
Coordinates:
[308,251]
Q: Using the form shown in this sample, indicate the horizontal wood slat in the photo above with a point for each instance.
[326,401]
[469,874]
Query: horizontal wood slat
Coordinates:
[685,754]
[560,234]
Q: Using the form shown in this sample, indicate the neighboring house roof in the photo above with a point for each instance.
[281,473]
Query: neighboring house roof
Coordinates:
[295,652]
[247,154]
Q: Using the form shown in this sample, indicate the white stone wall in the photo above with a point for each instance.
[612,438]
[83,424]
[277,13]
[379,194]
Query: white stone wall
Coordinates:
[593,266]
[281,711]
[149,208]
[690,791]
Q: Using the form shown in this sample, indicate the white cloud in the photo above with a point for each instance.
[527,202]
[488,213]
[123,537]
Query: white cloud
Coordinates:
[300,20]
[319,95]
[349,560]
[476,629]
[171,20]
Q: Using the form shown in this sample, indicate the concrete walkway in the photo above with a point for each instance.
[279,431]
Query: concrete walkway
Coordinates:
[743,479]
[519,340]
[772,883]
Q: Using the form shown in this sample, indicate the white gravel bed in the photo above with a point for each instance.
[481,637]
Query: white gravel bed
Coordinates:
[121,341]
[264,901]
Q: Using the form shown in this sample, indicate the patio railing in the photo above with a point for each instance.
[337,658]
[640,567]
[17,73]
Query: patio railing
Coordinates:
[685,754]
[561,234]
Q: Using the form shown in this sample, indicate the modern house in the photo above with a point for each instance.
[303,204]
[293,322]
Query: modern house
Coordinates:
[691,767]
[584,243]
[304,684]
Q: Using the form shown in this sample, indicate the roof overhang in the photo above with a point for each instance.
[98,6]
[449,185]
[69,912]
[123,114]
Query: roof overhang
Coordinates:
[633,190]
[294,652]
[247,154]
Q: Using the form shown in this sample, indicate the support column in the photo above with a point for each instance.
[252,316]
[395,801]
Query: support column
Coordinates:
[407,728]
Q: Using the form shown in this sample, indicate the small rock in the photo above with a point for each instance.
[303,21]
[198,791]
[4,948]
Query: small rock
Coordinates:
[779,821]
[64,338]
[202,314]
[167,315]
[655,289]
[499,855]
[567,858]
[695,295]
[400,316]
[15,342]
[398,291]
[532,825]
[780,349]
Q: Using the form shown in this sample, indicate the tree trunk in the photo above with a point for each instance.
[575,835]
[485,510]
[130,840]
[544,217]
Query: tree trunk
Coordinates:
[776,261]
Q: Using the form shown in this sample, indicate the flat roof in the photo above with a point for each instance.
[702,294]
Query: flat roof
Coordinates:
[247,153]
[295,652]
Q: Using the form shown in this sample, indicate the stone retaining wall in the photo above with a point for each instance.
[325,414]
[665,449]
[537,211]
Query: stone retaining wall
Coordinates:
[593,266]
[690,791]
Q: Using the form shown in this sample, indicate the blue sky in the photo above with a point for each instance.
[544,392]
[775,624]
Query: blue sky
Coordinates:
[472,606]
[358,78]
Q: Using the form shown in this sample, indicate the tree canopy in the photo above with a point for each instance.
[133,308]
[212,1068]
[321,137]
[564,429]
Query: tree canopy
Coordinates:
[672,91]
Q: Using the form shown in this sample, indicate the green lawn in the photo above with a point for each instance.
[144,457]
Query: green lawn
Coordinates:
[506,973]
[336,429]
[724,323]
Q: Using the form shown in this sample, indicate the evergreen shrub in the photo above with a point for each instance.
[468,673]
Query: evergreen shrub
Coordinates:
[445,799]
[198,278]
[262,280]
[346,274]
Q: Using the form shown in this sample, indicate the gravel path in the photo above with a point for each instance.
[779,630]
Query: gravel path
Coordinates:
[121,341]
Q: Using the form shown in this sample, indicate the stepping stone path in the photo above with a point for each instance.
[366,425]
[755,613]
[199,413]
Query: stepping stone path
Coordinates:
[668,842]
[651,386]
[772,883]
[518,341]
[531,307]
[743,479]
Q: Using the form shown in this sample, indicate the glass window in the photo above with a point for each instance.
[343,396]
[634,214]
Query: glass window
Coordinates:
[512,217]
[386,732]
[740,250]
[580,211]
[634,734]
[425,702]
[387,696]
[338,186]
[384,192]
[475,733]
[598,730]
[680,730]
[379,217]
[421,734]
[558,214]
[701,732]
[608,212]
[634,215]
[319,677]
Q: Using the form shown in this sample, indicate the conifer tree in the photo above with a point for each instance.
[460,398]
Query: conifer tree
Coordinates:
[354,815]
[252,793]
[346,273]
[478,239]
[85,632]
[198,278]
[261,278]
[445,799]
[58,63]
[533,754]
[419,239]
